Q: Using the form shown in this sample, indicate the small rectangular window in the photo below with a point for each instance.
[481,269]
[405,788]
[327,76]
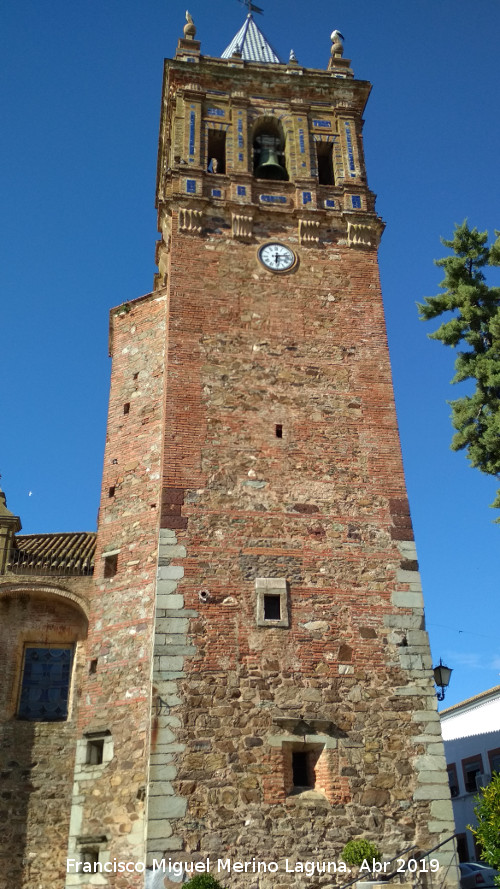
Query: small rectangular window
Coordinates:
[271,605]
[494,760]
[216,151]
[324,156]
[272,608]
[472,766]
[45,683]
[453,779]
[300,771]
[463,852]
[110,565]
[279,430]
[126,407]
[95,749]
[305,768]
[89,849]
[89,856]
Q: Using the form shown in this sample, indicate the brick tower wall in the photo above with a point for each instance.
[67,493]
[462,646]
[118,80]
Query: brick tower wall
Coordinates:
[108,801]
[322,509]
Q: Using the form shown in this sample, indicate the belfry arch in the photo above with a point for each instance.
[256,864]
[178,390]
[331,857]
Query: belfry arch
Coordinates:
[268,149]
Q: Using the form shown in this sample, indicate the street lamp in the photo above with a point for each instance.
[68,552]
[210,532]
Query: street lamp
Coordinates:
[442,678]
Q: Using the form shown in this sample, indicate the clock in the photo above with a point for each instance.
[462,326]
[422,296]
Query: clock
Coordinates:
[276,257]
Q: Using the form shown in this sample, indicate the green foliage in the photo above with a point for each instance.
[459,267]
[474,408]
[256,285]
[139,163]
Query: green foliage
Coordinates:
[202,881]
[487,831]
[357,851]
[473,327]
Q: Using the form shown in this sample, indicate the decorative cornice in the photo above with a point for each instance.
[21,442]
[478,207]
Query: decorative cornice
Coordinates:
[309,232]
[190,220]
[364,234]
[242,226]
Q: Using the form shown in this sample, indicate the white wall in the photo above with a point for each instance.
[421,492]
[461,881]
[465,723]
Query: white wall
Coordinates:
[470,731]
[474,720]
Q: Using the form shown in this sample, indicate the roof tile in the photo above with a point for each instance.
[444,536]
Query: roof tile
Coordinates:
[66,553]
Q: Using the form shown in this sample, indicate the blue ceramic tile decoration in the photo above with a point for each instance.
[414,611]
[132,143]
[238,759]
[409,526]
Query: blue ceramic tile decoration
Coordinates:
[192,119]
[273,198]
[350,153]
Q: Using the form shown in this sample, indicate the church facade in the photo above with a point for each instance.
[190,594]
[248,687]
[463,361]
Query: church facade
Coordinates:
[236,668]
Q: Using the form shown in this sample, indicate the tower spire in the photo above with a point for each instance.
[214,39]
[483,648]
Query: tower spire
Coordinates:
[251,42]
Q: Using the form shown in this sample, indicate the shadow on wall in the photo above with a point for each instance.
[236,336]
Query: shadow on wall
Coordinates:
[16,740]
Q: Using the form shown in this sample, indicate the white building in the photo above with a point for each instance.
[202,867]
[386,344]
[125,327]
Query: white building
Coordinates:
[471,734]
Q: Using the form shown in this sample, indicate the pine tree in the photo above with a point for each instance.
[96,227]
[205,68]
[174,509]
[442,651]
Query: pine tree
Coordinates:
[473,327]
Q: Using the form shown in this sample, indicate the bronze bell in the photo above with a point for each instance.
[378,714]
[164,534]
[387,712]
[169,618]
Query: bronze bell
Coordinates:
[269,166]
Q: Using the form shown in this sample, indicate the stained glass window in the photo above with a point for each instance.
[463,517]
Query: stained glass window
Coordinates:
[45,684]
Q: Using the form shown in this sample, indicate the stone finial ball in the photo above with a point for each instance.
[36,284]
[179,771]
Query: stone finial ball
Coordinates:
[189,27]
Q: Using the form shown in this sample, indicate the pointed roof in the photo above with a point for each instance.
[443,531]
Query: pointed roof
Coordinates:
[251,44]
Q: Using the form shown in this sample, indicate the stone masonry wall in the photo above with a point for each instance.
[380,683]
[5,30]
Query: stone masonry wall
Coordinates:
[323,507]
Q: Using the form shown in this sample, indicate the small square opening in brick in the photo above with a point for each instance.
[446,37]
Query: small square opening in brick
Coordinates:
[300,769]
[110,565]
[272,607]
[305,768]
[279,430]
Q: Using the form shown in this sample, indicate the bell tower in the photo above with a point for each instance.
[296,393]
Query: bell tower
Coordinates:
[260,667]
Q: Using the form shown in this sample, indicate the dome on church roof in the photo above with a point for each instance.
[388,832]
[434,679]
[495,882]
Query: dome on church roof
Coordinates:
[250,44]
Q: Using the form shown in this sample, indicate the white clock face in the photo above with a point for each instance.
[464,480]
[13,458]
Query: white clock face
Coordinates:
[277,257]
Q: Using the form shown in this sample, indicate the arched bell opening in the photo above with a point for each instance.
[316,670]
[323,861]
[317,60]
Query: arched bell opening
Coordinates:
[269,150]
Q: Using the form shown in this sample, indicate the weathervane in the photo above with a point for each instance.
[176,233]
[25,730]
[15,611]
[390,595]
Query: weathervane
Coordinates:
[252,7]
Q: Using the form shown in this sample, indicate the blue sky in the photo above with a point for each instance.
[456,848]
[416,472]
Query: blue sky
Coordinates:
[80,110]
